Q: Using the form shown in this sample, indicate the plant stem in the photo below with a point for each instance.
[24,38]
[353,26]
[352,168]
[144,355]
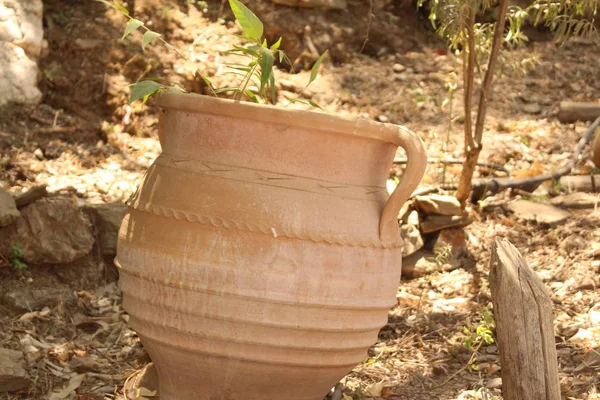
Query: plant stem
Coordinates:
[489,74]
[247,78]
[472,152]
[469,78]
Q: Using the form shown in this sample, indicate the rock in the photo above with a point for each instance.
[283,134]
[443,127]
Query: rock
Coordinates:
[12,374]
[19,82]
[532,108]
[25,300]
[8,209]
[397,68]
[580,183]
[49,231]
[494,383]
[537,212]
[577,200]
[419,264]
[107,220]
[21,25]
[85,273]
[435,223]
[459,304]
[438,205]
[88,44]
[412,239]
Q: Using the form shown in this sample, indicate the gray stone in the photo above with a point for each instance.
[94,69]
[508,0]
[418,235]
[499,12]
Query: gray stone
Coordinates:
[12,374]
[537,212]
[85,273]
[18,76]
[494,383]
[88,44]
[49,231]
[8,208]
[438,205]
[435,223]
[25,300]
[419,264]
[107,220]
[577,200]
[532,108]
[398,68]
[412,239]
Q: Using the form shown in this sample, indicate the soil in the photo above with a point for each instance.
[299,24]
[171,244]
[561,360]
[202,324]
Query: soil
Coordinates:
[85,142]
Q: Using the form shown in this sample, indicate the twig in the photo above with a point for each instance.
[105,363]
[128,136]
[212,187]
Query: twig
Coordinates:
[495,166]
[494,186]
[57,129]
[369,22]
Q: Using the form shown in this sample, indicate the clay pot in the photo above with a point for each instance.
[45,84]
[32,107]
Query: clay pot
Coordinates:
[260,255]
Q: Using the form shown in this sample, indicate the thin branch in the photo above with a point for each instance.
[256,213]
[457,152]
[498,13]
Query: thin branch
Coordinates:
[469,78]
[495,166]
[369,22]
[489,74]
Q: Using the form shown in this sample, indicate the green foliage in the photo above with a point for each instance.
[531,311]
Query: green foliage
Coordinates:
[563,17]
[249,22]
[16,257]
[258,71]
[483,331]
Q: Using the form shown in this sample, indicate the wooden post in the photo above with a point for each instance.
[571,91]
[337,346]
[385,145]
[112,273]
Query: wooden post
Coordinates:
[570,111]
[525,333]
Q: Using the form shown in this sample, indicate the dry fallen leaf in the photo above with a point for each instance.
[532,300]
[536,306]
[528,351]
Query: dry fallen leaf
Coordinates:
[35,314]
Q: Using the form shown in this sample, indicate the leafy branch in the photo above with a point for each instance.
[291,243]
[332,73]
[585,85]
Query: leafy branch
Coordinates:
[259,69]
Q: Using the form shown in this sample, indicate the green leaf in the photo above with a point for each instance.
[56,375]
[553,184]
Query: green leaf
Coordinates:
[249,22]
[228,89]
[244,37]
[305,101]
[315,69]
[252,96]
[149,36]
[266,67]
[277,44]
[131,26]
[272,87]
[143,90]
[121,7]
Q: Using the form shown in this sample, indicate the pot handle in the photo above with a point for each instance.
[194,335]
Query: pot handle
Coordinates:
[415,168]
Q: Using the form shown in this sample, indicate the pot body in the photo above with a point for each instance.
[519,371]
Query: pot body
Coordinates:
[250,258]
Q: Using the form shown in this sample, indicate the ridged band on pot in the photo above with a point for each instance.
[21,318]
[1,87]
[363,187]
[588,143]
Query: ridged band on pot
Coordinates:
[263,239]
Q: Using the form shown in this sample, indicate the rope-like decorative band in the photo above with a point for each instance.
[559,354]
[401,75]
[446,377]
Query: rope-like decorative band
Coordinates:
[219,222]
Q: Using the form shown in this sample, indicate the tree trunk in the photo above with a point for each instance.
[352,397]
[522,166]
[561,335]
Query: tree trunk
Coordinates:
[466,176]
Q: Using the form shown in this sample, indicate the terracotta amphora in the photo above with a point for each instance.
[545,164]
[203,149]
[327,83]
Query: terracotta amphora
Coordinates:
[261,254]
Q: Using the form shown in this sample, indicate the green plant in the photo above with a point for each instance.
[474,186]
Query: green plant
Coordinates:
[258,70]
[483,335]
[16,257]
[482,43]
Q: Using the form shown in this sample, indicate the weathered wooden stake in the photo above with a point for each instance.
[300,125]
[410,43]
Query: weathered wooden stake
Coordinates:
[570,111]
[525,333]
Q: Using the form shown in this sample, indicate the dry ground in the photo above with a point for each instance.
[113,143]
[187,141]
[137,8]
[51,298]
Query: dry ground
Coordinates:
[93,146]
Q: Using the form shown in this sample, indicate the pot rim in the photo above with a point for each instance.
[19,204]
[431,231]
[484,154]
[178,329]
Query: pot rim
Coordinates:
[358,127]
